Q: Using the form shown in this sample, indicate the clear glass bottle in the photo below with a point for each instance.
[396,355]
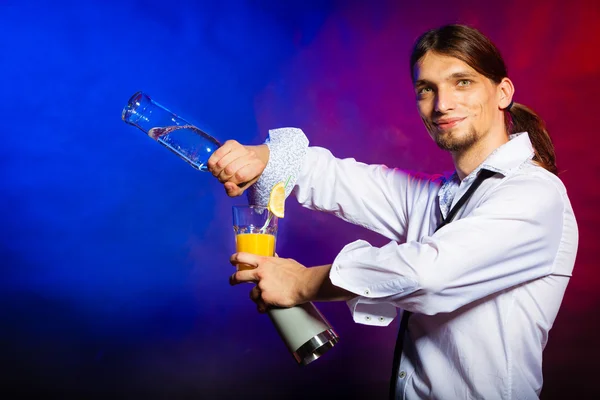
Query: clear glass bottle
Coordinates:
[167,128]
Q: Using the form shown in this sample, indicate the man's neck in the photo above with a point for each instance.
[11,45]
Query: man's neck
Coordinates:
[466,161]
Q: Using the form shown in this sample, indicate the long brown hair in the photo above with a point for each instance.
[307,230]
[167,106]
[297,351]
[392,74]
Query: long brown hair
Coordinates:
[472,47]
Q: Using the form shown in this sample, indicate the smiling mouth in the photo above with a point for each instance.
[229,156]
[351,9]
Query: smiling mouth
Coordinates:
[445,124]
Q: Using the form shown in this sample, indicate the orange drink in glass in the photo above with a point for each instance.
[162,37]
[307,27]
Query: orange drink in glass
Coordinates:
[255,231]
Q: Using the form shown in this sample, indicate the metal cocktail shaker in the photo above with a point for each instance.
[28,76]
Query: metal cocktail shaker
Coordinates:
[305,331]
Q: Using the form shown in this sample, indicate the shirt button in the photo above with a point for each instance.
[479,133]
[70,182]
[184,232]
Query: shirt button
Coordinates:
[402,374]
[381,319]
[368,318]
[367,292]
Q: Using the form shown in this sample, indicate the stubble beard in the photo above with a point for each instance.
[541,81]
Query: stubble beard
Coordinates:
[456,144]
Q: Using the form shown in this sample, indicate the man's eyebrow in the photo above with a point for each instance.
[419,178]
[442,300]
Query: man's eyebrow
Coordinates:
[456,75]
[462,75]
[422,82]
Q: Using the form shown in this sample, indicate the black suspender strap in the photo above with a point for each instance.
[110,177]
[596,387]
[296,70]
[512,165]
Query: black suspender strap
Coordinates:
[483,175]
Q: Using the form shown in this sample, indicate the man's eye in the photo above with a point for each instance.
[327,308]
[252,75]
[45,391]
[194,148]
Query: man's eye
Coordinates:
[464,82]
[424,90]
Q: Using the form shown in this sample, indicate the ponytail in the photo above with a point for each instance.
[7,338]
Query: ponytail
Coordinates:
[522,119]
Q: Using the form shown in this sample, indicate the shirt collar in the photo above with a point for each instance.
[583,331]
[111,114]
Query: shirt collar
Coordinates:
[505,159]
[511,155]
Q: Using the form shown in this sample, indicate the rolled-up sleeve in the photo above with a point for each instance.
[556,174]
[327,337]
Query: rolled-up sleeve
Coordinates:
[287,150]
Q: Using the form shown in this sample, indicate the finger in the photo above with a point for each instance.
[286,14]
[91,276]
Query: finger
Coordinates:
[248,174]
[247,275]
[226,160]
[255,294]
[234,164]
[245,258]
[232,189]
[225,149]
[261,306]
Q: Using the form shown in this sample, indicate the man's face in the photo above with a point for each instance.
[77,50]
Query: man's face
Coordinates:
[458,105]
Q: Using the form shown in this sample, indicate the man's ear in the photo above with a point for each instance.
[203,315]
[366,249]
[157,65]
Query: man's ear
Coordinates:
[506,90]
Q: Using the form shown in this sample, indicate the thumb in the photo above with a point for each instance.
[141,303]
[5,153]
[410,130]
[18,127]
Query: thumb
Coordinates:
[232,189]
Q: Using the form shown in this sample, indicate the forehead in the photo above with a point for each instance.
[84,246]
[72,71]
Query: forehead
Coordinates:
[434,67]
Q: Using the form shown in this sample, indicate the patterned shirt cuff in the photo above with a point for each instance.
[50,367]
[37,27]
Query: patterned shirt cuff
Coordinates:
[287,147]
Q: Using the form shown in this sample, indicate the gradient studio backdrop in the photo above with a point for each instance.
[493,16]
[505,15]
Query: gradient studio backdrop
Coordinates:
[114,252]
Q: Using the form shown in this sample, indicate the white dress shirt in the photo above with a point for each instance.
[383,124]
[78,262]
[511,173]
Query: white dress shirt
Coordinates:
[484,289]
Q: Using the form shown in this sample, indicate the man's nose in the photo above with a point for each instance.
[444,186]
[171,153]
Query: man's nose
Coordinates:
[444,101]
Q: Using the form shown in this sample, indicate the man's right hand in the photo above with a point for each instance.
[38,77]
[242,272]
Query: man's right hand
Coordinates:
[238,166]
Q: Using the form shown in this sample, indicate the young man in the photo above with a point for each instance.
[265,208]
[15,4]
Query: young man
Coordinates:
[479,260]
